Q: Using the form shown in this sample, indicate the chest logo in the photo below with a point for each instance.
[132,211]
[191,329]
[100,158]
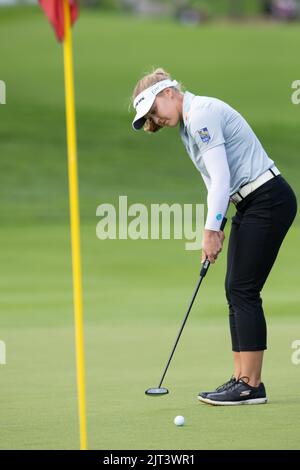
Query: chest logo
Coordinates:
[204,135]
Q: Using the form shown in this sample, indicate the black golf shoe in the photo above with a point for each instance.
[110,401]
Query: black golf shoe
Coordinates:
[221,388]
[238,393]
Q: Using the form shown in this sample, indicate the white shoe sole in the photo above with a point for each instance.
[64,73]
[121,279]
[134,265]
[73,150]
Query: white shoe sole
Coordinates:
[254,401]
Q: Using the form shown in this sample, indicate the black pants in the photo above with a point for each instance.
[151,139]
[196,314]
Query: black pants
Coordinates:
[258,229]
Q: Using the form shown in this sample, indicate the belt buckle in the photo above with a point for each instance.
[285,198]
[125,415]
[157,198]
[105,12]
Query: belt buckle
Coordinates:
[236,202]
[233,201]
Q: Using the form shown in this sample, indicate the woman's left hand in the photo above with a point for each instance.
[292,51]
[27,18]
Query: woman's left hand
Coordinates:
[212,245]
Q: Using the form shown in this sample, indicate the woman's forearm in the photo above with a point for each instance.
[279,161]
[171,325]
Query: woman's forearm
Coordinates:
[215,160]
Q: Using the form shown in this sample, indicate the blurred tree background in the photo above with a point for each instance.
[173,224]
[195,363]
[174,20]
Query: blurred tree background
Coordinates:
[193,11]
[278,9]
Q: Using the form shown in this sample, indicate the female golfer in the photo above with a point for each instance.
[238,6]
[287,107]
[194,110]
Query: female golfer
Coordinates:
[235,168]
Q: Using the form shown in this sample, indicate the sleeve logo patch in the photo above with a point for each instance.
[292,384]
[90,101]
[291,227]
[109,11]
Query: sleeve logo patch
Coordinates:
[219,216]
[204,135]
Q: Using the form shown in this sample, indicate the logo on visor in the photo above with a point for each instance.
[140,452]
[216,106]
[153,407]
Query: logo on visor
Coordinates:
[158,87]
[204,135]
[138,102]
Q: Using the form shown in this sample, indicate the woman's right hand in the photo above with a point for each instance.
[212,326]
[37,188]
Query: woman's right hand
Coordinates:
[212,245]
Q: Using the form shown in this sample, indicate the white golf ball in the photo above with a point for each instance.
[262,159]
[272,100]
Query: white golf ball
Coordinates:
[179,420]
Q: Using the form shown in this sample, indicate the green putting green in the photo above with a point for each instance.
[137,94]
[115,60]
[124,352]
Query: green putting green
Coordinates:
[135,292]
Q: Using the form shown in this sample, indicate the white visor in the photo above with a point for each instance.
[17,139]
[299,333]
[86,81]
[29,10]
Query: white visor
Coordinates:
[145,100]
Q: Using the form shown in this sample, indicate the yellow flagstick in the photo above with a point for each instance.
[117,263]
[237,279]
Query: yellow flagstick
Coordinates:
[75,224]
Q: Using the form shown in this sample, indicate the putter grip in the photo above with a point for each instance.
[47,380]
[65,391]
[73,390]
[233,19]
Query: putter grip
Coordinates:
[206,263]
[223,224]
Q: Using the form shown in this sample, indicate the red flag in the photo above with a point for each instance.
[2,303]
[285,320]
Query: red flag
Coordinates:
[54,10]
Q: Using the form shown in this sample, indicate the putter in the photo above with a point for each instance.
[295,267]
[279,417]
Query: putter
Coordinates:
[159,391]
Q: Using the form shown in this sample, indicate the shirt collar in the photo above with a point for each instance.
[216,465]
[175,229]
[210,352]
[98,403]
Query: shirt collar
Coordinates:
[186,104]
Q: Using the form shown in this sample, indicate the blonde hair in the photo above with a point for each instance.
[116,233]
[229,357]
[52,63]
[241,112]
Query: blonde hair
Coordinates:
[149,79]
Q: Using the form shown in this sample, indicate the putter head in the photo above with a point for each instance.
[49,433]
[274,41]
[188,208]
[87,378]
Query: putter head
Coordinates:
[156,392]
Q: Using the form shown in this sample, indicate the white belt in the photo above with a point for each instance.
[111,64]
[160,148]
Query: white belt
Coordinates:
[248,188]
